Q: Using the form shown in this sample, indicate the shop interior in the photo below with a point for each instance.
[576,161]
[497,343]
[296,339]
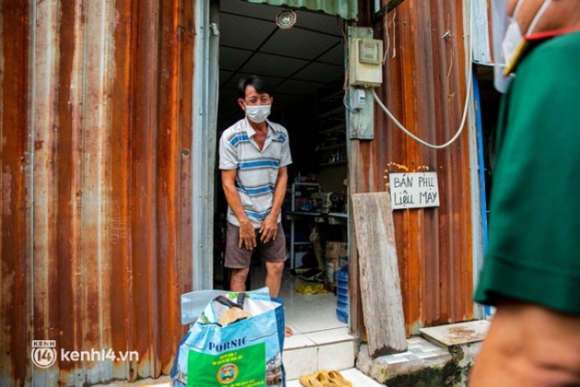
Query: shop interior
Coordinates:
[305,67]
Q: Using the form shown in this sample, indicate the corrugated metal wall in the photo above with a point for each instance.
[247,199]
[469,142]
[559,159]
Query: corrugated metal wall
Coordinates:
[96,219]
[425,88]
[96,186]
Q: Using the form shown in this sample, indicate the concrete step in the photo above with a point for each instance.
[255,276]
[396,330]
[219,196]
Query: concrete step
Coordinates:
[447,336]
[442,354]
[421,354]
[331,349]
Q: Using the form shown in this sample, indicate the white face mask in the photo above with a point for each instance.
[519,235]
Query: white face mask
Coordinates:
[513,36]
[258,113]
[513,44]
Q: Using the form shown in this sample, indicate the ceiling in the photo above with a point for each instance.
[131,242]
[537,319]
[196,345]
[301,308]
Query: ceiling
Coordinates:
[295,62]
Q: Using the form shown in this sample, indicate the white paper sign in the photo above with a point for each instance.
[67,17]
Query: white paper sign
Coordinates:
[414,190]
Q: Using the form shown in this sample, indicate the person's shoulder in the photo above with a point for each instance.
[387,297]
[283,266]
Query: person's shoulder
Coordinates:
[564,40]
[550,67]
[561,50]
[234,130]
[278,129]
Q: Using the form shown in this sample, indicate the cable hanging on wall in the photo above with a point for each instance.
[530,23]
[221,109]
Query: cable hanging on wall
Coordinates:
[466,104]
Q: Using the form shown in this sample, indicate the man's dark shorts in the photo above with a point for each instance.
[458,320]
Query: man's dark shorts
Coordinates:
[240,257]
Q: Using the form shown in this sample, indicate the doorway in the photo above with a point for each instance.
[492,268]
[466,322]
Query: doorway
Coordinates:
[489,102]
[305,66]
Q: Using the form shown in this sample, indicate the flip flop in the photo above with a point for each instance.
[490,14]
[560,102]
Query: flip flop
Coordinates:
[325,381]
[305,380]
[337,378]
[310,380]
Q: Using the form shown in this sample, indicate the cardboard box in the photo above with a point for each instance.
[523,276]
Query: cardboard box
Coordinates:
[336,249]
[336,257]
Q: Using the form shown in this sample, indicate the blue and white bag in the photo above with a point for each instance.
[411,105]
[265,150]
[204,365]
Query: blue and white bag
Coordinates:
[247,352]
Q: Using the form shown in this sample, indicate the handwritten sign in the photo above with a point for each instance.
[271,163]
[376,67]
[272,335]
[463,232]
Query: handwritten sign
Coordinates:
[414,190]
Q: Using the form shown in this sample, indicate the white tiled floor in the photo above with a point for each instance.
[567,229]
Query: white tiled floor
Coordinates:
[303,313]
[319,341]
[325,341]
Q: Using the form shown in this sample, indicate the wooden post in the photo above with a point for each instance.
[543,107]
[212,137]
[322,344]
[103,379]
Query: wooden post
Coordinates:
[379,273]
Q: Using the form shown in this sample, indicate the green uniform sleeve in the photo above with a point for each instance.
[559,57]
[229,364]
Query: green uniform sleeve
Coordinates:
[534,228]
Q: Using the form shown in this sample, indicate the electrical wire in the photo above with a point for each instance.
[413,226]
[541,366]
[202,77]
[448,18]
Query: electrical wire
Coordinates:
[466,105]
[345,84]
[346,89]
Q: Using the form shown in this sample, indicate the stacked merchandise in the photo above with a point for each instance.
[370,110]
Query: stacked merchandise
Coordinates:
[336,257]
[342,299]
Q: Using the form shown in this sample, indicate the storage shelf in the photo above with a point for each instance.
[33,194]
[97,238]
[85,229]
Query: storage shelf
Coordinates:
[334,129]
[333,112]
[333,163]
[332,136]
[331,96]
[294,216]
[330,147]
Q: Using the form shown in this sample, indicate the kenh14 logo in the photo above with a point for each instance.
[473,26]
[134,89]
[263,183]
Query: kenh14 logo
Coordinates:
[43,353]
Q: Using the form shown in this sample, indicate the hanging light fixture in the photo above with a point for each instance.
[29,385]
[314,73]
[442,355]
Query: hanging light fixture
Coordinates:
[286,19]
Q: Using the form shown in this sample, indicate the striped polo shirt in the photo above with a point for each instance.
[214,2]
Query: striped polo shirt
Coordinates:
[257,169]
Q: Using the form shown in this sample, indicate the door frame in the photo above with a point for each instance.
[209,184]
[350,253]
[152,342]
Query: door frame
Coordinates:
[206,91]
[204,124]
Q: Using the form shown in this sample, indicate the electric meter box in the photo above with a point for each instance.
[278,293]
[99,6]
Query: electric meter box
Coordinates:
[366,62]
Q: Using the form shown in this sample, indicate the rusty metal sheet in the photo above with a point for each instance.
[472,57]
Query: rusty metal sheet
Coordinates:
[96,132]
[425,89]
[15,166]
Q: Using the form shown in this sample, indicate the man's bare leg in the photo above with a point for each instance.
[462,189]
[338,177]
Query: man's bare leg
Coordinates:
[529,345]
[238,279]
[273,281]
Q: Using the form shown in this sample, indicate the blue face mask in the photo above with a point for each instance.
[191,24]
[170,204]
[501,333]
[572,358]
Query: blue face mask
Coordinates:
[258,113]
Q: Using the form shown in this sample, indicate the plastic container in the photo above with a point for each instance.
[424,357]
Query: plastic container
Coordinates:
[342,298]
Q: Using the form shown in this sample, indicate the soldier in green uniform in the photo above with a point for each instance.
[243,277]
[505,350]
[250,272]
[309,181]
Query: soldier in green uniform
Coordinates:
[531,270]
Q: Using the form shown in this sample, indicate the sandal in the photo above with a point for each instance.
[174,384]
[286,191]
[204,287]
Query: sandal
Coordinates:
[322,377]
[310,380]
[337,378]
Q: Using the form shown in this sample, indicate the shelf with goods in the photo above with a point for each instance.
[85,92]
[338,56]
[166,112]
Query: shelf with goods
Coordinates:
[298,218]
[338,128]
[331,148]
[334,112]
[334,154]
[332,163]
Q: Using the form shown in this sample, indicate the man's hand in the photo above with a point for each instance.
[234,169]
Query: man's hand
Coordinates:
[247,236]
[269,228]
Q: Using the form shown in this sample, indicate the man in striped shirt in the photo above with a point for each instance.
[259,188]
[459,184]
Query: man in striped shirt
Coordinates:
[254,155]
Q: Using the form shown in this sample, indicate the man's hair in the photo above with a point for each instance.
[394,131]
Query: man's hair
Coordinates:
[259,84]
